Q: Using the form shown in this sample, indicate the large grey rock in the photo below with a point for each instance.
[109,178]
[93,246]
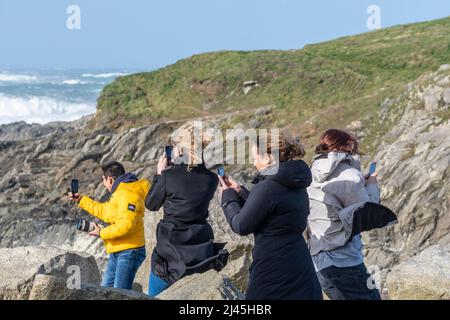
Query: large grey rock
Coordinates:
[47,287]
[207,286]
[237,268]
[21,265]
[414,163]
[424,276]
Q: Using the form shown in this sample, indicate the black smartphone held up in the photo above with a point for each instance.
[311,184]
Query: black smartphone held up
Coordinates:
[221,172]
[168,152]
[373,168]
[74,186]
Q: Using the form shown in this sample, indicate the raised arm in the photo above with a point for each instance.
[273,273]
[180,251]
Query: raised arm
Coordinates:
[249,217]
[95,208]
[157,194]
[353,189]
[243,194]
[373,191]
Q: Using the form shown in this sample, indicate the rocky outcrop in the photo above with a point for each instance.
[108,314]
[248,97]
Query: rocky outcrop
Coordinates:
[49,273]
[21,131]
[21,265]
[424,276]
[47,287]
[208,286]
[414,162]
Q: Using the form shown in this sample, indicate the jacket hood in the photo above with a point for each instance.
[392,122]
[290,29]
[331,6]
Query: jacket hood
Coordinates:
[325,164]
[291,174]
[125,178]
[139,187]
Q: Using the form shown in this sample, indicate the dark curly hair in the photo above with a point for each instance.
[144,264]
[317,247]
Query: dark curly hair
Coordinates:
[337,141]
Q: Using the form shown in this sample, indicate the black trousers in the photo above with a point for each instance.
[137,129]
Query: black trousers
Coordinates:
[349,283]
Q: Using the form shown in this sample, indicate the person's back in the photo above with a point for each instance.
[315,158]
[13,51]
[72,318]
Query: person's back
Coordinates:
[184,239]
[187,194]
[290,203]
[129,193]
[343,187]
[276,212]
[338,191]
[279,244]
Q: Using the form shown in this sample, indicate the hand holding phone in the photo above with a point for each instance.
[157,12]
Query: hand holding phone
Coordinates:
[227,180]
[74,186]
[371,177]
[221,172]
[372,169]
[168,153]
[73,192]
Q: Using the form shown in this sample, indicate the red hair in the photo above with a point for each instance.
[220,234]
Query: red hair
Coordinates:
[337,141]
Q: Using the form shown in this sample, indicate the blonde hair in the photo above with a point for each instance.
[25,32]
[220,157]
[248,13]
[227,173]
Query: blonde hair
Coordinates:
[190,137]
[289,148]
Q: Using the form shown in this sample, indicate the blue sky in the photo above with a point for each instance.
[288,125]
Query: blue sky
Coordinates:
[149,34]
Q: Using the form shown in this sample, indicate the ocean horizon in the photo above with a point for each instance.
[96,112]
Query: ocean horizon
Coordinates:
[43,96]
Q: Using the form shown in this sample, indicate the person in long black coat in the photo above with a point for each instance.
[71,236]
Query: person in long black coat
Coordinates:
[184,238]
[276,212]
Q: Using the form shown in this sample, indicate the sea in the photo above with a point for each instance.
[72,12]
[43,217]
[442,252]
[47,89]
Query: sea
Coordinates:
[45,96]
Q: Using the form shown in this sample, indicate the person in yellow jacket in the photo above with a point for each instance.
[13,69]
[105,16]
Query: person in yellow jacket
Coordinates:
[124,212]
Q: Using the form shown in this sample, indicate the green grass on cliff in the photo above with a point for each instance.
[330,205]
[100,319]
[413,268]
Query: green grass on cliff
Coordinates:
[320,86]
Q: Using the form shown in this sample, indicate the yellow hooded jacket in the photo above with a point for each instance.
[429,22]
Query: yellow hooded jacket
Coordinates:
[124,212]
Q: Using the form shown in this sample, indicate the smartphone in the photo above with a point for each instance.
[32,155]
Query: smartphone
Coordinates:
[74,186]
[373,168]
[221,171]
[168,152]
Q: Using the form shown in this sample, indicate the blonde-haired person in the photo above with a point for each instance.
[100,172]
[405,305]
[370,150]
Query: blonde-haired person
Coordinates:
[276,212]
[184,238]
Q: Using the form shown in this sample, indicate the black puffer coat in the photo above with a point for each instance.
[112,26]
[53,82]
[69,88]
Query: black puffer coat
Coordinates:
[276,212]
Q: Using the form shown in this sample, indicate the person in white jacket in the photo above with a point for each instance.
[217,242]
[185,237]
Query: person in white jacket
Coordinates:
[337,192]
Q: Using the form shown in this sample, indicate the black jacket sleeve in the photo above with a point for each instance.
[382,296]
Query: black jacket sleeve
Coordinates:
[249,217]
[157,193]
[243,194]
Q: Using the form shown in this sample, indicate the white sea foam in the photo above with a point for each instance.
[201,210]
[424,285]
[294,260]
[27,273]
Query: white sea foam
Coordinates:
[41,109]
[74,82]
[104,75]
[6,77]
